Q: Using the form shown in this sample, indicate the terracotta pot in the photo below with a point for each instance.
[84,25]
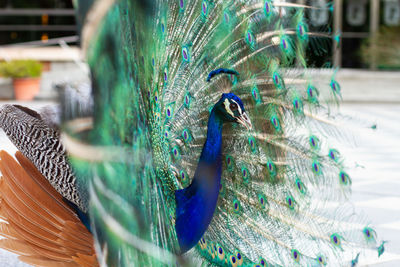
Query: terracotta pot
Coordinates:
[26,88]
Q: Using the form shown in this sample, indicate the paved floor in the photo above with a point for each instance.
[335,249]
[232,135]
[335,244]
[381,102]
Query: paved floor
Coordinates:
[374,156]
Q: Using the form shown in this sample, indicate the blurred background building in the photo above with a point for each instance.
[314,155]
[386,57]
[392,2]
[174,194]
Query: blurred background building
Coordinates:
[45,31]
[369,33]
[368,28]
[360,23]
[23,21]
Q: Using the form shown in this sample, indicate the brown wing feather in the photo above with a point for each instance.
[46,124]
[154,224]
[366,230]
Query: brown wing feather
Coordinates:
[45,262]
[23,210]
[85,260]
[7,231]
[14,219]
[2,213]
[17,246]
[34,207]
[34,184]
[40,226]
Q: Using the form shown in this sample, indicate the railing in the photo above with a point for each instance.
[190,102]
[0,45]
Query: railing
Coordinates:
[36,12]
[44,27]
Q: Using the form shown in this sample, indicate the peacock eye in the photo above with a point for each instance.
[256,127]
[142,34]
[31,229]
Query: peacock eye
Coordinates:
[233,106]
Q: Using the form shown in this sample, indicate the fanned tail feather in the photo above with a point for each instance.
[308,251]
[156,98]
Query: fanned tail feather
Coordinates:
[282,183]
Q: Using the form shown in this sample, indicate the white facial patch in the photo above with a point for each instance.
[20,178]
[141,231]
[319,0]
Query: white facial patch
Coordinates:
[227,108]
[239,108]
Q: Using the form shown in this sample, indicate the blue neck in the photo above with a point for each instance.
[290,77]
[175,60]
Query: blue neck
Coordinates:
[211,152]
[195,205]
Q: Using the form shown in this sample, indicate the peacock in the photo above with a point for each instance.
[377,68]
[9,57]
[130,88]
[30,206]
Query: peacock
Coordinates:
[205,143]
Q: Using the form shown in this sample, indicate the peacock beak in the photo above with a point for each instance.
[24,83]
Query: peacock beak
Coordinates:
[245,121]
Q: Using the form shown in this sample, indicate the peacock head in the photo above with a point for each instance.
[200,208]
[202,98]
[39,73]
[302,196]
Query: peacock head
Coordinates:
[231,109]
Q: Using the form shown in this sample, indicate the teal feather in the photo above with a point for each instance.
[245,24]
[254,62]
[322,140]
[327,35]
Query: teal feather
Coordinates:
[150,63]
[381,248]
[354,262]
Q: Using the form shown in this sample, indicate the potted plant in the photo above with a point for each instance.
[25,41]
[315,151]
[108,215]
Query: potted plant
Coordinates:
[26,77]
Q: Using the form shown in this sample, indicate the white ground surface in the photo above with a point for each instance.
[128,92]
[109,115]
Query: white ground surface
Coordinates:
[376,179]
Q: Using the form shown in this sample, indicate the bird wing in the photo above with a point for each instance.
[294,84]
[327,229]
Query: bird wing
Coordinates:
[38,225]
[40,142]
